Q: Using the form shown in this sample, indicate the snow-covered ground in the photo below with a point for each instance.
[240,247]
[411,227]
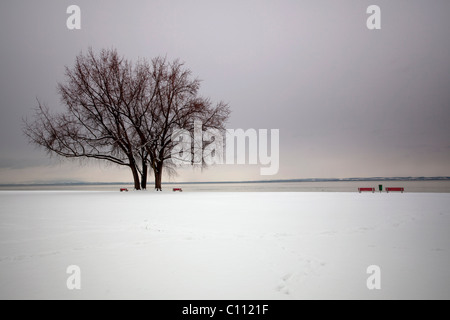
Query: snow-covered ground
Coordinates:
[224,245]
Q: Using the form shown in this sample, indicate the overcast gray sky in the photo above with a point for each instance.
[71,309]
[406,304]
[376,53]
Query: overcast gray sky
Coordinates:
[349,102]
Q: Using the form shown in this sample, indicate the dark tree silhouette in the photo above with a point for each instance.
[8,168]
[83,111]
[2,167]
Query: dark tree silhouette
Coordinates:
[123,113]
[171,101]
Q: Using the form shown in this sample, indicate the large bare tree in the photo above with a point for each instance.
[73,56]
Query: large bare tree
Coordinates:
[171,101]
[124,113]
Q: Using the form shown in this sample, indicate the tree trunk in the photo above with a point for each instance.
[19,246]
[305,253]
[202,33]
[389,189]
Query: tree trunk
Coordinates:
[137,185]
[144,175]
[158,177]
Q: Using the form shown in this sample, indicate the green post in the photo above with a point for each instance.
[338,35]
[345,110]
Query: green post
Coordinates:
[380,187]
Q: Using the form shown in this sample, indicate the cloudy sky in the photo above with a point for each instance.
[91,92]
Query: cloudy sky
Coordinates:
[349,102]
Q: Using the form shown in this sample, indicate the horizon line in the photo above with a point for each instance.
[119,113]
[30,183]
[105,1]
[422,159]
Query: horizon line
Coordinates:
[79,183]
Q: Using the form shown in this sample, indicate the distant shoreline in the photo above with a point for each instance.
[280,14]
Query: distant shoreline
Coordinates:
[372,179]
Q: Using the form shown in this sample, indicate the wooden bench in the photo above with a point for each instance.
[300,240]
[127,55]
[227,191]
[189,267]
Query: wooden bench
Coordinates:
[366,190]
[123,190]
[177,190]
[395,190]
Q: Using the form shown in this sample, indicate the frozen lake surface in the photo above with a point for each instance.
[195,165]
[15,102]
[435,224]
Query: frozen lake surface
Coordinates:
[227,245]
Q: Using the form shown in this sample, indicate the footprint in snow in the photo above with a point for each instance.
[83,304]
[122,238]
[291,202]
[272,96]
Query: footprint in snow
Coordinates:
[283,285]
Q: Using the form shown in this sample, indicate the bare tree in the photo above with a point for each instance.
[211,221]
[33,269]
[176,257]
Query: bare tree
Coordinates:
[171,101]
[124,113]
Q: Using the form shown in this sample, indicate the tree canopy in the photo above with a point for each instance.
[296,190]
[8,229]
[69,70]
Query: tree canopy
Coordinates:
[124,113]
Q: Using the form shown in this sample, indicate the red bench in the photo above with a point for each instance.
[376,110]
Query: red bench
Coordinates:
[123,190]
[395,190]
[366,190]
[177,190]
